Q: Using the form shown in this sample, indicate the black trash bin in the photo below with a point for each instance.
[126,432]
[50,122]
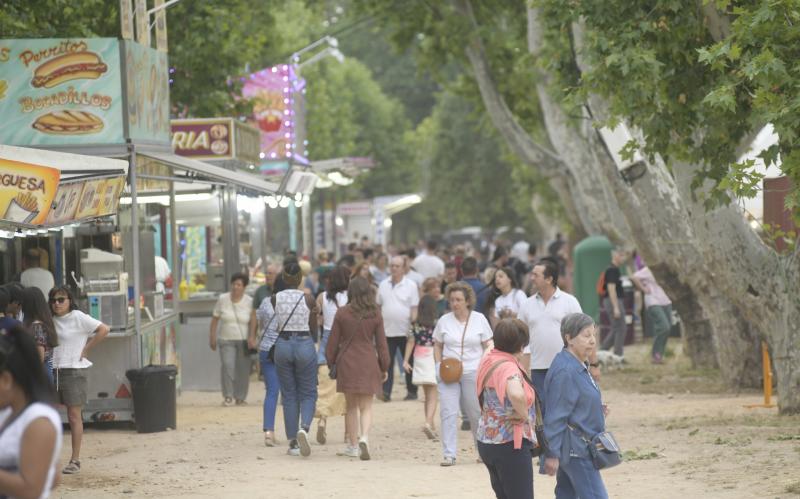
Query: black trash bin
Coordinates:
[153,390]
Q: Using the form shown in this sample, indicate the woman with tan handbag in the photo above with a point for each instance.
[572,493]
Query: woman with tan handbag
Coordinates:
[460,339]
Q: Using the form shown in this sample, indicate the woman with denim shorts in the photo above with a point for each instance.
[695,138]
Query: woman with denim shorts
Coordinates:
[296,357]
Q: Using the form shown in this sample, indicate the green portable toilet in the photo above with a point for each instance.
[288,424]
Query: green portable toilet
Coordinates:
[591,257]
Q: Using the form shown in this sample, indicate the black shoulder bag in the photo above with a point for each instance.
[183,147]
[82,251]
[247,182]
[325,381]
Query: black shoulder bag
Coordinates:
[603,449]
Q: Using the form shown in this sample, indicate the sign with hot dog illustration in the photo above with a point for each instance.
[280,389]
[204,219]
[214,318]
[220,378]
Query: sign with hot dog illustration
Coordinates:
[61,92]
[26,191]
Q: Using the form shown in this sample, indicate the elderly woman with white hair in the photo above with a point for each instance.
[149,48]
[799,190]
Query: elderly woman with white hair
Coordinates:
[575,413]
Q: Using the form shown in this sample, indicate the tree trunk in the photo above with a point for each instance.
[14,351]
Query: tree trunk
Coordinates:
[518,139]
[762,285]
[659,225]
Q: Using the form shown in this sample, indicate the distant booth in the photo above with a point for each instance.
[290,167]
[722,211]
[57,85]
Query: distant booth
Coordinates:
[221,231]
[110,228]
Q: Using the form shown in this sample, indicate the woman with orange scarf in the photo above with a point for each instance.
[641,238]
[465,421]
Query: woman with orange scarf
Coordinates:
[505,430]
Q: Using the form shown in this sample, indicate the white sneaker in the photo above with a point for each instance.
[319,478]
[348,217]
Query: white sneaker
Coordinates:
[302,441]
[349,451]
[293,451]
[363,447]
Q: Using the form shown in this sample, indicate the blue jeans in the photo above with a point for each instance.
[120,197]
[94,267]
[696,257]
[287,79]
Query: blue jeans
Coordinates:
[579,478]
[48,367]
[659,318]
[323,344]
[537,377]
[272,386]
[296,363]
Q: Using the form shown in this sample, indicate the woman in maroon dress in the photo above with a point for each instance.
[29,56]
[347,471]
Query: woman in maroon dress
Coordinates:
[357,348]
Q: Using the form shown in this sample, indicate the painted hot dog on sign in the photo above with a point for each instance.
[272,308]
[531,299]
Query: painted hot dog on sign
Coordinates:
[61,91]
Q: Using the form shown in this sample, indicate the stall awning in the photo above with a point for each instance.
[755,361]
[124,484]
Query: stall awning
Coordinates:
[42,189]
[240,179]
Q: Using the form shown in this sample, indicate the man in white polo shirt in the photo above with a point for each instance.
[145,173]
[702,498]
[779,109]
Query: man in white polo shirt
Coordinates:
[398,297]
[428,264]
[542,313]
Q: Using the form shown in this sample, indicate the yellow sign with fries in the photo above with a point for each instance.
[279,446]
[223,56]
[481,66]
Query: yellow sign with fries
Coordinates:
[26,191]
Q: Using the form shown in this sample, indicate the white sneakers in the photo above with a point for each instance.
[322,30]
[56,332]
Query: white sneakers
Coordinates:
[363,447]
[302,442]
[361,451]
[349,451]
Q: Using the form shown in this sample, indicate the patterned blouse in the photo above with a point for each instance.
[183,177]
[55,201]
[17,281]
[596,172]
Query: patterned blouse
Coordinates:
[40,336]
[423,336]
[494,427]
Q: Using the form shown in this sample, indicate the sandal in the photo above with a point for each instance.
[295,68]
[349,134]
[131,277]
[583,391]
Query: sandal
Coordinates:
[448,461]
[429,432]
[322,434]
[73,467]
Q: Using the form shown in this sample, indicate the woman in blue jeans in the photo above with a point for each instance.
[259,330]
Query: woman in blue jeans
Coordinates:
[263,337]
[574,410]
[296,356]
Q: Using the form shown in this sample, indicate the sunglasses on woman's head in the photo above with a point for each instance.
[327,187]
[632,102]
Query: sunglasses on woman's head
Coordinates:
[59,300]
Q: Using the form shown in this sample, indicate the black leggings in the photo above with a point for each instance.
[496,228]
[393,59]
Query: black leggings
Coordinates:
[510,470]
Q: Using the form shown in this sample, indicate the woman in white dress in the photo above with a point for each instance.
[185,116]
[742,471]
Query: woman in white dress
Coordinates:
[30,429]
[420,346]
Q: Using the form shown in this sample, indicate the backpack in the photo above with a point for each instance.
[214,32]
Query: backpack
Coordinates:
[600,287]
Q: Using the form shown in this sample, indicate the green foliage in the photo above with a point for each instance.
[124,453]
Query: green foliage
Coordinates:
[212,44]
[774,233]
[349,115]
[468,181]
[694,99]
[58,19]
[436,34]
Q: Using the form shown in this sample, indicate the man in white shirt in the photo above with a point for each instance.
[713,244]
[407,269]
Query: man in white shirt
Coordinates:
[398,297]
[162,273]
[34,275]
[428,264]
[412,274]
[543,313]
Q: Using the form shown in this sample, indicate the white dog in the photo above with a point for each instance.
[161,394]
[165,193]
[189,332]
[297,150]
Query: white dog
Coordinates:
[609,360]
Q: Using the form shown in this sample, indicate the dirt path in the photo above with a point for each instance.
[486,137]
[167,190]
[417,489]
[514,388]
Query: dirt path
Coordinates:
[678,445]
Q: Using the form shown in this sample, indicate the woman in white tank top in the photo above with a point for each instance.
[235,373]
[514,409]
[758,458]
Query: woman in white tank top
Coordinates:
[329,401]
[26,419]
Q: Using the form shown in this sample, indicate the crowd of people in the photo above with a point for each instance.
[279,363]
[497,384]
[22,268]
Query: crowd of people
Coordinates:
[441,318]
[495,343]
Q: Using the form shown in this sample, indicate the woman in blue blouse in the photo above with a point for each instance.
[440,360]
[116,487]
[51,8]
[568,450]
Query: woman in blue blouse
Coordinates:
[574,410]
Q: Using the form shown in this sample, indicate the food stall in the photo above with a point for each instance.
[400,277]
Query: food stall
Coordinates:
[235,219]
[109,98]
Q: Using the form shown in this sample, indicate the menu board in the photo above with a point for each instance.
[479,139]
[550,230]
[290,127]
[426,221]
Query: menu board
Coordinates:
[82,199]
[65,204]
